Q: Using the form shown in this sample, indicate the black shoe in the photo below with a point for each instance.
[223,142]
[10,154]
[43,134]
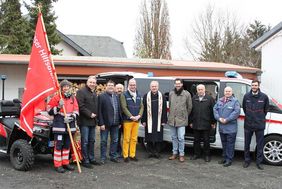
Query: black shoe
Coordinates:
[95,163]
[227,164]
[120,156]
[60,169]
[69,167]
[207,158]
[102,162]
[260,167]
[157,155]
[87,165]
[126,160]
[222,161]
[115,160]
[194,157]
[133,159]
[246,164]
[151,155]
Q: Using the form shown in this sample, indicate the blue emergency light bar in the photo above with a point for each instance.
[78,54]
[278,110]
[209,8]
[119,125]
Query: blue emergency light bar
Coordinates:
[232,74]
[150,74]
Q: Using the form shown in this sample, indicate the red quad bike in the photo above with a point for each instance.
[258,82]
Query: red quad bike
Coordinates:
[16,143]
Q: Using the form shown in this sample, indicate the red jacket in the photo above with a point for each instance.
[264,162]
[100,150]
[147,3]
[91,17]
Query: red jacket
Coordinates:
[71,107]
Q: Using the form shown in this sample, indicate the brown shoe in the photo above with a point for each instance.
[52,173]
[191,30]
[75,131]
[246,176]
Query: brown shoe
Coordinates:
[173,157]
[181,159]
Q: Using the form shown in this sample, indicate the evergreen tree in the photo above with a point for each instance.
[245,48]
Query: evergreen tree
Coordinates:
[49,21]
[211,50]
[14,37]
[254,31]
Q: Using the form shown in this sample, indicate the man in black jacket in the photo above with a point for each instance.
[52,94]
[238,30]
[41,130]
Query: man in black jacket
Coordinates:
[119,89]
[87,102]
[255,106]
[109,121]
[202,120]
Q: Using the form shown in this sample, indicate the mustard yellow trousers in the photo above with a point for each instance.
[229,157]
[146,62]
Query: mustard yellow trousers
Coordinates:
[130,134]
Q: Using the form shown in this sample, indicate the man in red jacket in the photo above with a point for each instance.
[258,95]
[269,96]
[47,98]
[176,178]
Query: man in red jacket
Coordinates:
[61,136]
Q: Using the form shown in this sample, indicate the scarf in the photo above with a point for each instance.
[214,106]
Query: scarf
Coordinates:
[178,92]
[133,95]
[149,111]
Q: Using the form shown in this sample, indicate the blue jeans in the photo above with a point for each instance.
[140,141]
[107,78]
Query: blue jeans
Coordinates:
[114,142]
[228,145]
[177,136]
[87,143]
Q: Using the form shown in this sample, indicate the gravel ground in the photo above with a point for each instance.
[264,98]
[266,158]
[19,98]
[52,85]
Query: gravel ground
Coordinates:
[146,173]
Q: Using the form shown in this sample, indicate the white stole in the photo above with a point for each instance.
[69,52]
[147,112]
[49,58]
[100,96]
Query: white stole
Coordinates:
[149,111]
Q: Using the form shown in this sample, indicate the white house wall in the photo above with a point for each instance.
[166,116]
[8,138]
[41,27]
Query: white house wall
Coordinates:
[272,67]
[15,80]
[67,49]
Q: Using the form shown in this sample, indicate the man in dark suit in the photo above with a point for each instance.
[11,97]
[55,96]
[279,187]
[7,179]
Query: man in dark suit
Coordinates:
[109,120]
[119,90]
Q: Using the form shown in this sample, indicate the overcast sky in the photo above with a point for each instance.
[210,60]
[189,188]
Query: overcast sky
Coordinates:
[118,18]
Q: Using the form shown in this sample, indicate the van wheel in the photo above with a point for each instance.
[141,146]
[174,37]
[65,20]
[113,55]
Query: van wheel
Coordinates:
[272,150]
[21,155]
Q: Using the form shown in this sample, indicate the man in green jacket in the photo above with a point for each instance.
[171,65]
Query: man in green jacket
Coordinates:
[132,107]
[180,106]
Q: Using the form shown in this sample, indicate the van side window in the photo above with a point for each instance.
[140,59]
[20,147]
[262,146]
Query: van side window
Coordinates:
[239,90]
[273,107]
[211,87]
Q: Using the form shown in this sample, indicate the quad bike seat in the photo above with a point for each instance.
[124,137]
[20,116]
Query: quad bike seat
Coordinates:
[9,122]
[10,108]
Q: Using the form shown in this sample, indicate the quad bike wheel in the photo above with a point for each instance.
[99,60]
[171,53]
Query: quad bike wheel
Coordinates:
[21,155]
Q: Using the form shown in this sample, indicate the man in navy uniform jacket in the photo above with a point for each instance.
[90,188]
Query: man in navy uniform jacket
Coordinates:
[255,106]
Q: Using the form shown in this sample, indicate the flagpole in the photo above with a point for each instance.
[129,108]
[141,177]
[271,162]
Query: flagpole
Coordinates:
[64,109]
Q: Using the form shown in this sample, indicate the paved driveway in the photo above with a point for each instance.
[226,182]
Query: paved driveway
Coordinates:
[146,173]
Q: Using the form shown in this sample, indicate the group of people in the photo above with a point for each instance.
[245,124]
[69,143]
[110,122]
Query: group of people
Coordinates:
[202,112]
[118,113]
[115,111]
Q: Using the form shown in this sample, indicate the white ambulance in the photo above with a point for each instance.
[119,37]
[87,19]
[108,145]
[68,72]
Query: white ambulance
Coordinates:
[214,86]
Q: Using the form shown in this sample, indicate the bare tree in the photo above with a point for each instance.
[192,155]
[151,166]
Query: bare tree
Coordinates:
[213,35]
[152,39]
[219,37]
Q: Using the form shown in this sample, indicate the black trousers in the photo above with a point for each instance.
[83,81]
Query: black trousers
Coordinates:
[62,141]
[260,142]
[154,147]
[198,135]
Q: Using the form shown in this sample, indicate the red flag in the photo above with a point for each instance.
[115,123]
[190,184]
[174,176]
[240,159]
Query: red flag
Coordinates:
[41,78]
